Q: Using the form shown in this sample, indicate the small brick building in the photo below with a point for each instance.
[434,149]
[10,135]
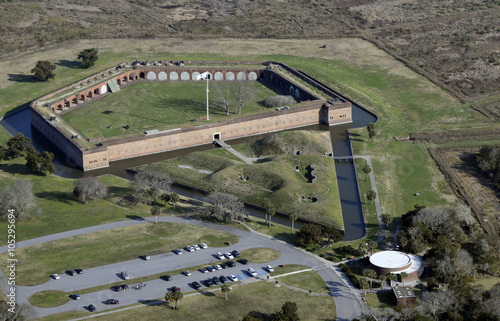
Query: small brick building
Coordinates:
[404,296]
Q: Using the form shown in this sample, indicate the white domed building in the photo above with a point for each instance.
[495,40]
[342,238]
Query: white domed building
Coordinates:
[387,262]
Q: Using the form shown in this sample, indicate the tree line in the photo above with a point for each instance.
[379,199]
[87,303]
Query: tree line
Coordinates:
[45,70]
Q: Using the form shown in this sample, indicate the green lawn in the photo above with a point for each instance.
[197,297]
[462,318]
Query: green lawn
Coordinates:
[156,105]
[309,280]
[128,243]
[48,299]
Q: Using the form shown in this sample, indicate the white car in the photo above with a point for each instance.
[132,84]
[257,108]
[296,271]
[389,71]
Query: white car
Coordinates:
[187,273]
[252,272]
[220,255]
[125,275]
[196,247]
[203,245]
[233,278]
[190,249]
[269,268]
[218,267]
[229,255]
[55,276]
[178,252]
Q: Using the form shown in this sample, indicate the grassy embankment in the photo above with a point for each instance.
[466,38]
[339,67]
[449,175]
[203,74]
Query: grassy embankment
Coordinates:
[127,244]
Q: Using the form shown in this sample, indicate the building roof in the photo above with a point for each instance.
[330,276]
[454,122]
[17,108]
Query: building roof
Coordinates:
[390,259]
[404,291]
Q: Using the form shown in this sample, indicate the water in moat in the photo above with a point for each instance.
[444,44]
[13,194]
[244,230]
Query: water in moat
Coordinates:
[346,177]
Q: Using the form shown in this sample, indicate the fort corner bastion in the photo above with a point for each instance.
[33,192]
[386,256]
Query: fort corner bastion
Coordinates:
[88,154]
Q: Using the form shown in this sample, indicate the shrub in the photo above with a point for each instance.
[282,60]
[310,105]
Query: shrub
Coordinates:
[279,101]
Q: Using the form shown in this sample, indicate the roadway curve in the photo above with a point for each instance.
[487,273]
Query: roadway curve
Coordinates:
[347,300]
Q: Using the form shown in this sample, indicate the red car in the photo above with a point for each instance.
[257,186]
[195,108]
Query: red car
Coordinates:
[175,288]
[112,301]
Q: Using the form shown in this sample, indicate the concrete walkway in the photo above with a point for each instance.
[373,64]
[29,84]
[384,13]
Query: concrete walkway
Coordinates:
[248,160]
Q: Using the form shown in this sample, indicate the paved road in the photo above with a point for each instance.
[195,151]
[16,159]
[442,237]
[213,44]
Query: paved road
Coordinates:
[348,305]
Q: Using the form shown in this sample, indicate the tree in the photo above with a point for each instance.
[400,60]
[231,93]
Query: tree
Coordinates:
[370,273]
[87,188]
[367,169]
[169,297]
[44,70]
[155,211]
[363,284]
[266,202]
[279,101]
[288,312]
[332,234]
[382,279]
[2,153]
[393,277]
[223,90]
[89,57]
[225,207]
[16,312]
[270,211]
[403,276]
[370,247]
[293,217]
[17,145]
[387,219]
[371,195]
[245,92]
[178,295]
[40,163]
[363,248]
[225,289]
[371,131]
[18,196]
[151,184]
[310,234]
[165,197]
[174,198]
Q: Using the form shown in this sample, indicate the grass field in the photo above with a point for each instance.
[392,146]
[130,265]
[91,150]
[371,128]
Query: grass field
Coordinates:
[48,299]
[309,280]
[156,105]
[132,241]
[260,255]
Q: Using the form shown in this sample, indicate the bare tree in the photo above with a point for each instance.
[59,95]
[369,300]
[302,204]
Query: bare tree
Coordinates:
[223,90]
[245,93]
[434,218]
[151,184]
[19,197]
[87,188]
[464,213]
[225,207]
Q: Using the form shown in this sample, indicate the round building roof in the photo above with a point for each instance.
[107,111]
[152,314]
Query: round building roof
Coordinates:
[390,259]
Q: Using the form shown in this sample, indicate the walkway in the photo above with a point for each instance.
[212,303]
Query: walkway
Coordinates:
[248,160]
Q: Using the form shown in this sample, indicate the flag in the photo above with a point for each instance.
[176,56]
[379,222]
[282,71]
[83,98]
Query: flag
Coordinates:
[202,76]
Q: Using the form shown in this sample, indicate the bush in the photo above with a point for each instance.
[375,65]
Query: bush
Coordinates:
[279,101]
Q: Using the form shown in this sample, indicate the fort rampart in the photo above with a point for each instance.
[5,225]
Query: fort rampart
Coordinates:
[88,156]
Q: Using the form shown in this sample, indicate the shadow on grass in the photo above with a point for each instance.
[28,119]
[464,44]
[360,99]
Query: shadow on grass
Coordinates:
[135,217]
[116,191]
[63,197]
[192,202]
[21,78]
[155,303]
[15,169]
[206,293]
[69,63]
[385,298]
[260,316]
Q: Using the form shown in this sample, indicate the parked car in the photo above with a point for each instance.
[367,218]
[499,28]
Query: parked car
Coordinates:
[79,271]
[211,268]
[203,270]
[175,288]
[269,268]
[112,301]
[231,264]
[252,272]
[124,275]
[124,287]
[166,277]
[233,278]
[217,267]
[196,247]
[203,245]
[196,285]
[71,272]
[224,265]
[55,276]
[229,255]
[209,282]
[116,288]
[220,255]
[235,253]
[91,308]
[216,280]
[187,273]
[178,251]
[223,279]
[145,257]
[243,261]
[75,296]
[190,249]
